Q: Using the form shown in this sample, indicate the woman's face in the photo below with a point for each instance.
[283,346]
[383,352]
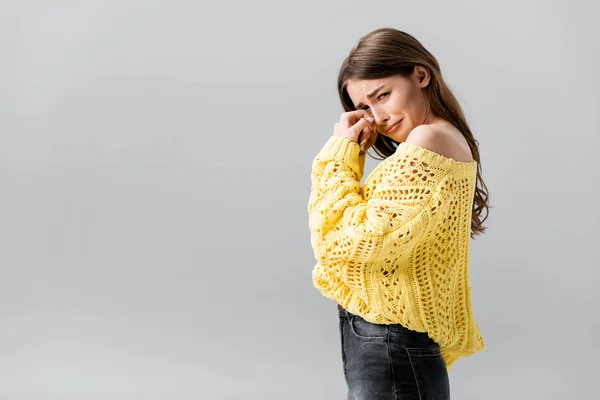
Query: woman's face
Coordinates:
[398,99]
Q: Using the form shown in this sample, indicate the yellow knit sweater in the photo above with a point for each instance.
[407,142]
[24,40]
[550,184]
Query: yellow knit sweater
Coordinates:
[396,250]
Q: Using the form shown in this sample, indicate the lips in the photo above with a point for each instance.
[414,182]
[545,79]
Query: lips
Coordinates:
[393,127]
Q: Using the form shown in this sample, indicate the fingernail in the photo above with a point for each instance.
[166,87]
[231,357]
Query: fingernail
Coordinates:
[370,119]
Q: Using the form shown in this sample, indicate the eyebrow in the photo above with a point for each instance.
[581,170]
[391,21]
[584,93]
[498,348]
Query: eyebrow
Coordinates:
[371,95]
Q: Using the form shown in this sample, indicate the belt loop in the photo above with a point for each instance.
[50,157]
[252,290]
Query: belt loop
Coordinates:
[343,312]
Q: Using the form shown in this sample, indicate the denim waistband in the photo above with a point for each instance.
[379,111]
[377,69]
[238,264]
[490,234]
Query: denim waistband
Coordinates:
[344,312]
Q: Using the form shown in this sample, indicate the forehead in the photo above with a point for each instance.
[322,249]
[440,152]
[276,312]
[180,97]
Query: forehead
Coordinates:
[360,87]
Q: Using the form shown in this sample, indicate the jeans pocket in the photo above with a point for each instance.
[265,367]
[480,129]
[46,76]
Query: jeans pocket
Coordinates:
[431,374]
[366,330]
[433,351]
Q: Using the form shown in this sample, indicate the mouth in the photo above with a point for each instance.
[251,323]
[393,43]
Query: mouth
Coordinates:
[393,127]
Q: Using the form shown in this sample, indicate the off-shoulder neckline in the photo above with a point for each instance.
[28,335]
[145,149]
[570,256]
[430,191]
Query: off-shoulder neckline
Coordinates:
[435,158]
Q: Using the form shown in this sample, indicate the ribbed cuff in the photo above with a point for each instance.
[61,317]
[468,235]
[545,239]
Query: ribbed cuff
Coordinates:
[346,150]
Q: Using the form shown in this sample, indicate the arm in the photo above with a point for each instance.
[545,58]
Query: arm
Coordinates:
[346,228]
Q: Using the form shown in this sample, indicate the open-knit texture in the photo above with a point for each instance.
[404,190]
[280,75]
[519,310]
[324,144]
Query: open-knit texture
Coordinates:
[396,250]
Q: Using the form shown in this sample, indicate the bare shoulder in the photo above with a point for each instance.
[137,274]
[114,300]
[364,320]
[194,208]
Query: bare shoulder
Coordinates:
[444,140]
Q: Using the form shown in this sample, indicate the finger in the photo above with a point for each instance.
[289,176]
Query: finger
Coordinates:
[364,140]
[356,113]
[360,125]
[363,137]
[351,117]
[369,135]
[369,130]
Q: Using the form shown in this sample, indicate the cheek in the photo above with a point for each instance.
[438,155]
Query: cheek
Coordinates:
[398,106]
[400,100]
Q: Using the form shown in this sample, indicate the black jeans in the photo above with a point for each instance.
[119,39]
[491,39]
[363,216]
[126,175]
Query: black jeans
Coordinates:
[390,362]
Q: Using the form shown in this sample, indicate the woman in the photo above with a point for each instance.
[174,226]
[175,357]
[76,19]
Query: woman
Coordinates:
[394,253]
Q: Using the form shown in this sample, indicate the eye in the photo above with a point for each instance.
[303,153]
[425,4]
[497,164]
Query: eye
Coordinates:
[378,98]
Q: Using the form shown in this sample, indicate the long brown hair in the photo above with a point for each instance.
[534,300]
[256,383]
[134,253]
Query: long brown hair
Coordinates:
[387,52]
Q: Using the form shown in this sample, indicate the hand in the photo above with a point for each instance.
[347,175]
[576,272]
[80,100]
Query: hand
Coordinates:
[357,126]
[367,140]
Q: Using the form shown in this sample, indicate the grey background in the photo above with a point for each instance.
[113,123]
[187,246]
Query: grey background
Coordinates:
[155,170]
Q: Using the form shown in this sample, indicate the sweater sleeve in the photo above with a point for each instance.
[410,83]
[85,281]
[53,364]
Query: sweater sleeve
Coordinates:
[347,229]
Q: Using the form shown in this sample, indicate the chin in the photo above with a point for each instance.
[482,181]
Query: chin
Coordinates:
[397,137]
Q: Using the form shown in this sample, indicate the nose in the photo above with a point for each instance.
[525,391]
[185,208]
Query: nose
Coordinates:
[380,120]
